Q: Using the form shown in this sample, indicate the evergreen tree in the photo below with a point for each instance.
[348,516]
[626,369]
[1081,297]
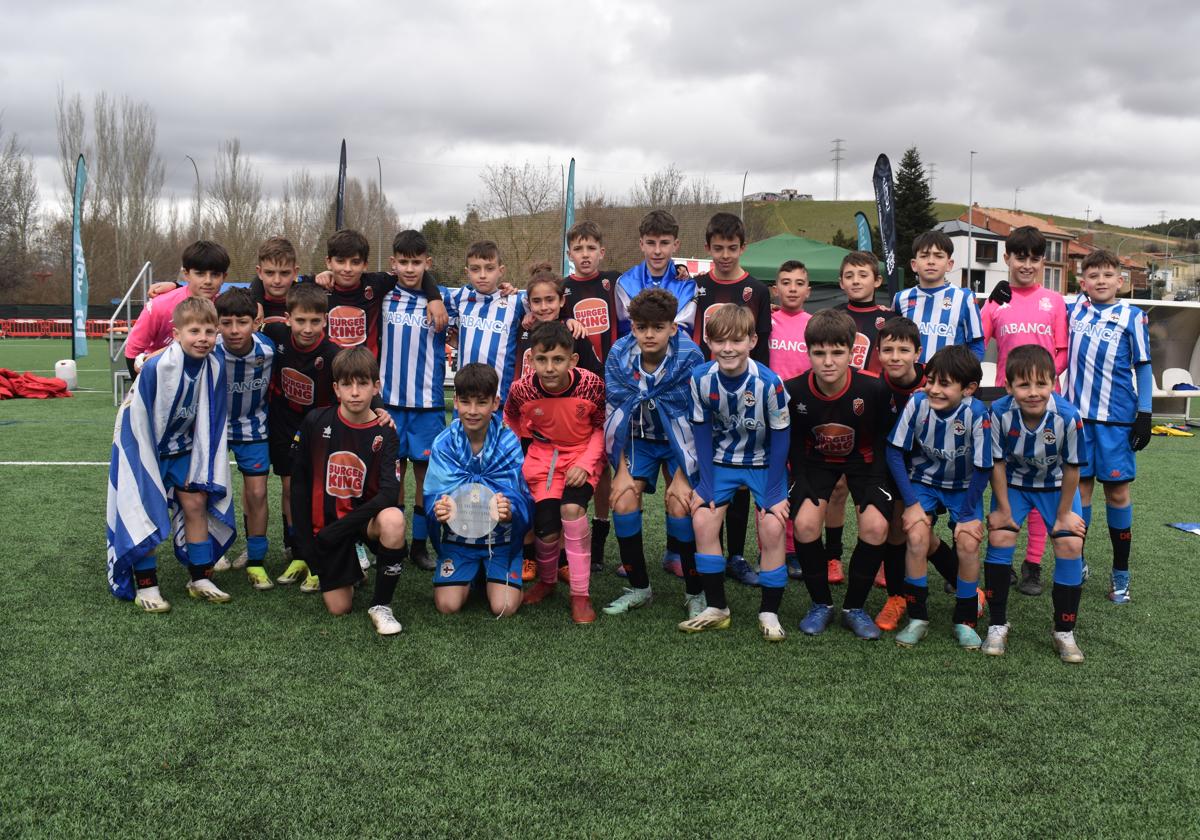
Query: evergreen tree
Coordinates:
[914,209]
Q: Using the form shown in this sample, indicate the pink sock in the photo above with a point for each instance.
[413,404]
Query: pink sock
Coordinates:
[547,559]
[577,537]
[1036,545]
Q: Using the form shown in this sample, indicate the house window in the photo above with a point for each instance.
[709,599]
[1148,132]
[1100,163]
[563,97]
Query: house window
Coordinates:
[985,252]
[1054,250]
[1053,279]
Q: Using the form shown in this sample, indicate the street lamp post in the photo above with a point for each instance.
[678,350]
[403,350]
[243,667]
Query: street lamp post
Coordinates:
[970,215]
[196,215]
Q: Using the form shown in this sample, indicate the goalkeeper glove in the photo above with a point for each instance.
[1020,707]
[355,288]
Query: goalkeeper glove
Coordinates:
[1139,436]
[1002,294]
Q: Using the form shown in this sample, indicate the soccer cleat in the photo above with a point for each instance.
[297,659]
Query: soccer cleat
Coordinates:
[695,604]
[913,632]
[836,575]
[421,559]
[528,571]
[795,571]
[259,578]
[893,610]
[1031,579]
[581,609]
[564,574]
[1068,649]
[242,560]
[769,626]
[1118,591]
[737,568]
[538,592]
[880,578]
[622,571]
[672,564]
[222,564]
[710,619]
[950,587]
[311,584]
[860,624]
[384,620]
[817,619]
[996,643]
[967,637]
[1086,572]
[296,571]
[205,590]
[151,600]
[630,599]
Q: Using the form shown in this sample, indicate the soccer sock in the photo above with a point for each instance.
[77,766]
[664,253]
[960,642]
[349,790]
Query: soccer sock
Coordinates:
[997,569]
[864,562]
[833,542]
[390,562]
[966,605]
[944,561]
[1120,531]
[256,550]
[599,538]
[772,583]
[145,578]
[200,560]
[1036,544]
[629,542]
[547,559]
[736,521]
[893,568]
[685,538]
[420,528]
[1087,516]
[1068,586]
[712,572]
[529,551]
[814,562]
[577,536]
[288,531]
[916,596]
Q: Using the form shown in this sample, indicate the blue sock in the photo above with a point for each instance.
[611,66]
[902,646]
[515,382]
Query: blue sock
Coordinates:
[145,563]
[1068,571]
[420,526]
[628,524]
[1000,556]
[922,581]
[1087,516]
[966,588]
[776,578]
[710,564]
[256,550]
[200,554]
[1120,518]
[681,529]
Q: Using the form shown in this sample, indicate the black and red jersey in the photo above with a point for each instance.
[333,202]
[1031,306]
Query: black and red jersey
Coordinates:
[712,294]
[354,313]
[301,378]
[588,360]
[901,395]
[868,318]
[849,427]
[274,311]
[593,303]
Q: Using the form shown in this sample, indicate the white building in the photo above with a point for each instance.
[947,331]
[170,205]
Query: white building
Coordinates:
[987,267]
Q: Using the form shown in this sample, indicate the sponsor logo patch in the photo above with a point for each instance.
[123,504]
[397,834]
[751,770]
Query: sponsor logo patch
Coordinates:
[297,387]
[834,439]
[345,473]
[347,326]
[858,354]
[593,314]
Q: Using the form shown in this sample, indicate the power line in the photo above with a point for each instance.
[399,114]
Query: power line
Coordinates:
[837,166]
[932,167]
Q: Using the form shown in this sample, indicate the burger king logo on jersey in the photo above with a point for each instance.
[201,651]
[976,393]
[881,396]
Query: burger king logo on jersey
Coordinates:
[345,474]
[858,354]
[593,314]
[834,440]
[297,387]
[347,326]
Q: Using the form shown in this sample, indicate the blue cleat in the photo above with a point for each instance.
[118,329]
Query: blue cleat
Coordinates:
[1119,591]
[818,618]
[795,572]
[860,624]
[737,568]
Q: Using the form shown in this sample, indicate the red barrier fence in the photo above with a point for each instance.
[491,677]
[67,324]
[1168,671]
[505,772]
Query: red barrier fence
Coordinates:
[56,328]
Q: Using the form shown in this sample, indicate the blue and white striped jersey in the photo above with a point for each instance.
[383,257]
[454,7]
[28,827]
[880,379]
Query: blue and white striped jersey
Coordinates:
[1106,342]
[1035,457]
[946,315]
[646,424]
[742,411]
[177,436]
[945,450]
[249,381]
[412,357]
[488,326]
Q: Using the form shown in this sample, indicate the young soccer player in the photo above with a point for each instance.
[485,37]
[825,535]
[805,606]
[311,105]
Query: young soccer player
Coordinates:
[170,468]
[561,407]
[477,448]
[546,293]
[740,427]
[1109,379]
[344,488]
[940,456]
[859,277]
[647,391]
[275,272]
[944,312]
[840,418]
[1037,450]
[658,240]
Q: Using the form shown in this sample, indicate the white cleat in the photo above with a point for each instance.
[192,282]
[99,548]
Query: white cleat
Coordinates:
[205,590]
[383,619]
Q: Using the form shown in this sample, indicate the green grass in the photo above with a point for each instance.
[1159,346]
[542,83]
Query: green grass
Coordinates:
[821,219]
[267,718]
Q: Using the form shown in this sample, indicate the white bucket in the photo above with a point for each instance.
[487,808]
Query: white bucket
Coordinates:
[65,370]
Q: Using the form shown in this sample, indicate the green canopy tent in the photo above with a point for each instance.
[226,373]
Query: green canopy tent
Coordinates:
[823,261]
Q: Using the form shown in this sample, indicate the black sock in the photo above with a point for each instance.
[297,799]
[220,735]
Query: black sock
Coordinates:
[146,578]
[736,518]
[996,580]
[673,545]
[1066,606]
[388,565]
[714,589]
[815,565]
[287,531]
[633,557]
[529,551]
[599,538]
[833,542]
[418,512]
[966,611]
[945,562]
[917,598]
[562,557]
[693,584]
[772,597]
[200,572]
[1120,542]
[893,568]
[864,563]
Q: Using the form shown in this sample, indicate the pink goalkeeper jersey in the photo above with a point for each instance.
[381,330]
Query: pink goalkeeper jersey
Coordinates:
[1035,315]
[152,329]
[789,352]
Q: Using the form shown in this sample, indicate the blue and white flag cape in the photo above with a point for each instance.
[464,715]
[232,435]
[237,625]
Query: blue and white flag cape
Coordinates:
[626,389]
[141,513]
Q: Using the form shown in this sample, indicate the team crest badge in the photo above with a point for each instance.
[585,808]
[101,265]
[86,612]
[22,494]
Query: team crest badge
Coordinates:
[502,303]
[259,362]
[959,428]
[319,362]
[879,322]
[369,293]
[604,282]
[748,399]
[447,569]
[858,406]
[1048,436]
[1113,316]
[377,443]
[1044,304]
[746,293]
[947,303]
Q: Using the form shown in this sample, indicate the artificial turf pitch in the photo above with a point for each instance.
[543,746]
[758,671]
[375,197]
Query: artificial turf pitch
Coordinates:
[265,717]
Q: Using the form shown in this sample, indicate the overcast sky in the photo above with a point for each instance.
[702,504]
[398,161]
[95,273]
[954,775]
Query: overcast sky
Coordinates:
[1078,104]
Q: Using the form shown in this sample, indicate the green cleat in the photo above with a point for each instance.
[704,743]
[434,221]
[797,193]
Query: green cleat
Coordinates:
[311,584]
[259,579]
[966,637]
[695,604]
[912,633]
[205,590]
[711,619]
[296,571]
[630,599]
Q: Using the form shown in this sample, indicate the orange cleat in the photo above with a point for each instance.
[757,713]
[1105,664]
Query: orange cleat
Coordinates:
[581,609]
[564,574]
[528,571]
[538,592]
[982,602]
[893,610]
[835,571]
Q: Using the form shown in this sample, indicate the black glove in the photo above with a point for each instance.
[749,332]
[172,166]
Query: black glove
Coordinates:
[1002,294]
[1139,436]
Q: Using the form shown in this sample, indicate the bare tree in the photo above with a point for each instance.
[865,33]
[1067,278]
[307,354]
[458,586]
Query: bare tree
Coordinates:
[701,191]
[302,213]
[19,212]
[520,209]
[662,189]
[237,213]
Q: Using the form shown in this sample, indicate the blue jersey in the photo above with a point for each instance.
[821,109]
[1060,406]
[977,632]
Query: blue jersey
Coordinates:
[249,381]
[1106,343]
[742,411]
[945,450]
[488,326]
[177,436]
[1035,457]
[646,424]
[946,315]
[412,356]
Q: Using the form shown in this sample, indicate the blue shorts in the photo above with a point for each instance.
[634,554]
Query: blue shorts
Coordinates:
[1109,455]
[416,428]
[458,565]
[174,470]
[645,459]
[1046,502]
[253,457]
[954,502]
[727,480]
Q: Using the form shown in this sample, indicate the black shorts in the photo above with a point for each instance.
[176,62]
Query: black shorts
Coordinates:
[869,485]
[279,444]
[338,566]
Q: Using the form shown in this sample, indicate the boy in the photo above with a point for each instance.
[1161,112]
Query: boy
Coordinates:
[859,277]
[274,273]
[170,467]
[658,240]
[648,385]
[561,407]
[205,267]
[840,417]
[1109,355]
[1032,314]
[249,359]
[740,428]
[788,352]
[477,448]
[940,456]
[344,491]
[945,313]
[1037,450]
